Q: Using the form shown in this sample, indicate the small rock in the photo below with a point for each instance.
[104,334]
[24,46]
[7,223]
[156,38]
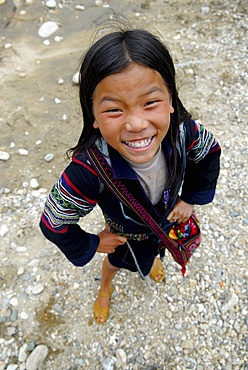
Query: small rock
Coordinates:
[13,302]
[187,344]
[121,355]
[80,7]
[75,78]
[47,29]
[4,156]
[231,303]
[205,9]
[30,346]
[23,151]
[49,157]
[108,364]
[7,46]
[11,330]
[51,4]
[37,357]
[37,289]
[34,183]
[12,367]
[22,356]
[3,230]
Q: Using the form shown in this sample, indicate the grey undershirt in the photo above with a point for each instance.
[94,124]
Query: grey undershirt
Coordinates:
[153,176]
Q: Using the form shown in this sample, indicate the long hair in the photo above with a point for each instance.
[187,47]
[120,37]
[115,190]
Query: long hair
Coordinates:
[112,54]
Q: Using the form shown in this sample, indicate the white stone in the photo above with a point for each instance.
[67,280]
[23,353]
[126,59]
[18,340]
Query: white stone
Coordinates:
[20,270]
[75,78]
[34,183]
[8,45]
[121,355]
[37,289]
[231,303]
[49,157]
[47,29]
[23,151]
[4,230]
[13,302]
[4,156]
[80,7]
[51,4]
[37,357]
[24,315]
[22,356]
[12,367]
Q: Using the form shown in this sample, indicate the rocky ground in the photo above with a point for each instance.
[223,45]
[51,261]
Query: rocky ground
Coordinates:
[46,320]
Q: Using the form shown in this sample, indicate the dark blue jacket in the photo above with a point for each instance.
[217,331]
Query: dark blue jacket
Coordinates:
[79,189]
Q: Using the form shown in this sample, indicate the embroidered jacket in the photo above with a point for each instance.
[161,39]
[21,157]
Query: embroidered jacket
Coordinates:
[79,189]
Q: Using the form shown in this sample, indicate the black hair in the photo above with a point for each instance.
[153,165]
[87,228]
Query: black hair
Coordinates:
[112,53]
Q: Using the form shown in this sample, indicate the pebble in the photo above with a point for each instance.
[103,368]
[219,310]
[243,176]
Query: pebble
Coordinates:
[121,355]
[4,156]
[233,300]
[80,7]
[23,151]
[22,356]
[3,230]
[47,29]
[34,183]
[37,357]
[49,157]
[75,78]
[37,289]
[51,4]
[12,367]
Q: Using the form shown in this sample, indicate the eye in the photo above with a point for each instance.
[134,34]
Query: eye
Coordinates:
[151,102]
[113,110]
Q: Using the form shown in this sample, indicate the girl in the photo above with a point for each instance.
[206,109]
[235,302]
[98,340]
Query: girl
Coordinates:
[131,113]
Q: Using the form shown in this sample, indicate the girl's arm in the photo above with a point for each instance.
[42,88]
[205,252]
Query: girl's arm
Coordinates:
[202,165]
[75,195]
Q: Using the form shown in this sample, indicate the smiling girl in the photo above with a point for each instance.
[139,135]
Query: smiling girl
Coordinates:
[132,114]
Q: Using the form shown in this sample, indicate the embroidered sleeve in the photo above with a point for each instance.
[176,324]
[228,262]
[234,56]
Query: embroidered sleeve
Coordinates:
[202,144]
[202,164]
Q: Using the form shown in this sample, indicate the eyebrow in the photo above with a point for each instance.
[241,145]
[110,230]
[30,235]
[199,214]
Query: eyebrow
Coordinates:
[111,99]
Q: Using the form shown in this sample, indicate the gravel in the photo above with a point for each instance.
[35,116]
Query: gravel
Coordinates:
[46,307]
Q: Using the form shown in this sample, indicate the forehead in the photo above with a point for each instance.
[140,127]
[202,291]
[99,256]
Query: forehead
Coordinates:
[135,77]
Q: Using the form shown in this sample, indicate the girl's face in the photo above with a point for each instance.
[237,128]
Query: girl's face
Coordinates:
[132,110]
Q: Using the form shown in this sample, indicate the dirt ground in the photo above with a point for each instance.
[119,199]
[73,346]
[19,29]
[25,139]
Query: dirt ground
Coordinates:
[40,115]
[31,119]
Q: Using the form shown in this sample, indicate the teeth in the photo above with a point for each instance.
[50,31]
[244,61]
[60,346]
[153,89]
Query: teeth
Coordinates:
[139,144]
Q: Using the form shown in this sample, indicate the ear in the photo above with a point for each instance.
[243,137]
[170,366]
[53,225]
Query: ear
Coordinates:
[95,125]
[171,107]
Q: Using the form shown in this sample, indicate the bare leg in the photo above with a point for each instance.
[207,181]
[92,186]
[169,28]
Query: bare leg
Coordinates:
[108,273]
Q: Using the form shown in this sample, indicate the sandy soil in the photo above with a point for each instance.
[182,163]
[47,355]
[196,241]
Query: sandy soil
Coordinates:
[208,40]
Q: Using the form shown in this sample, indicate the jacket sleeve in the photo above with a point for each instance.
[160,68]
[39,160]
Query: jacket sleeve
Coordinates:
[202,164]
[73,196]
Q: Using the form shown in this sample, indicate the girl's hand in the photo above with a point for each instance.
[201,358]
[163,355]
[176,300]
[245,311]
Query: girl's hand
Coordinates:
[109,241]
[181,212]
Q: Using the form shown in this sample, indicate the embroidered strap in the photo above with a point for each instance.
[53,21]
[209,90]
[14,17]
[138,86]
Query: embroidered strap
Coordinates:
[98,161]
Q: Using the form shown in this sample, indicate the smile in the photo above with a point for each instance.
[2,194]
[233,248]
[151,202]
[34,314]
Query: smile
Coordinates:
[139,143]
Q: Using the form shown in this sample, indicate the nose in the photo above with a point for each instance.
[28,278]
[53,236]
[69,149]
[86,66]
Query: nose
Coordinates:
[136,123]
